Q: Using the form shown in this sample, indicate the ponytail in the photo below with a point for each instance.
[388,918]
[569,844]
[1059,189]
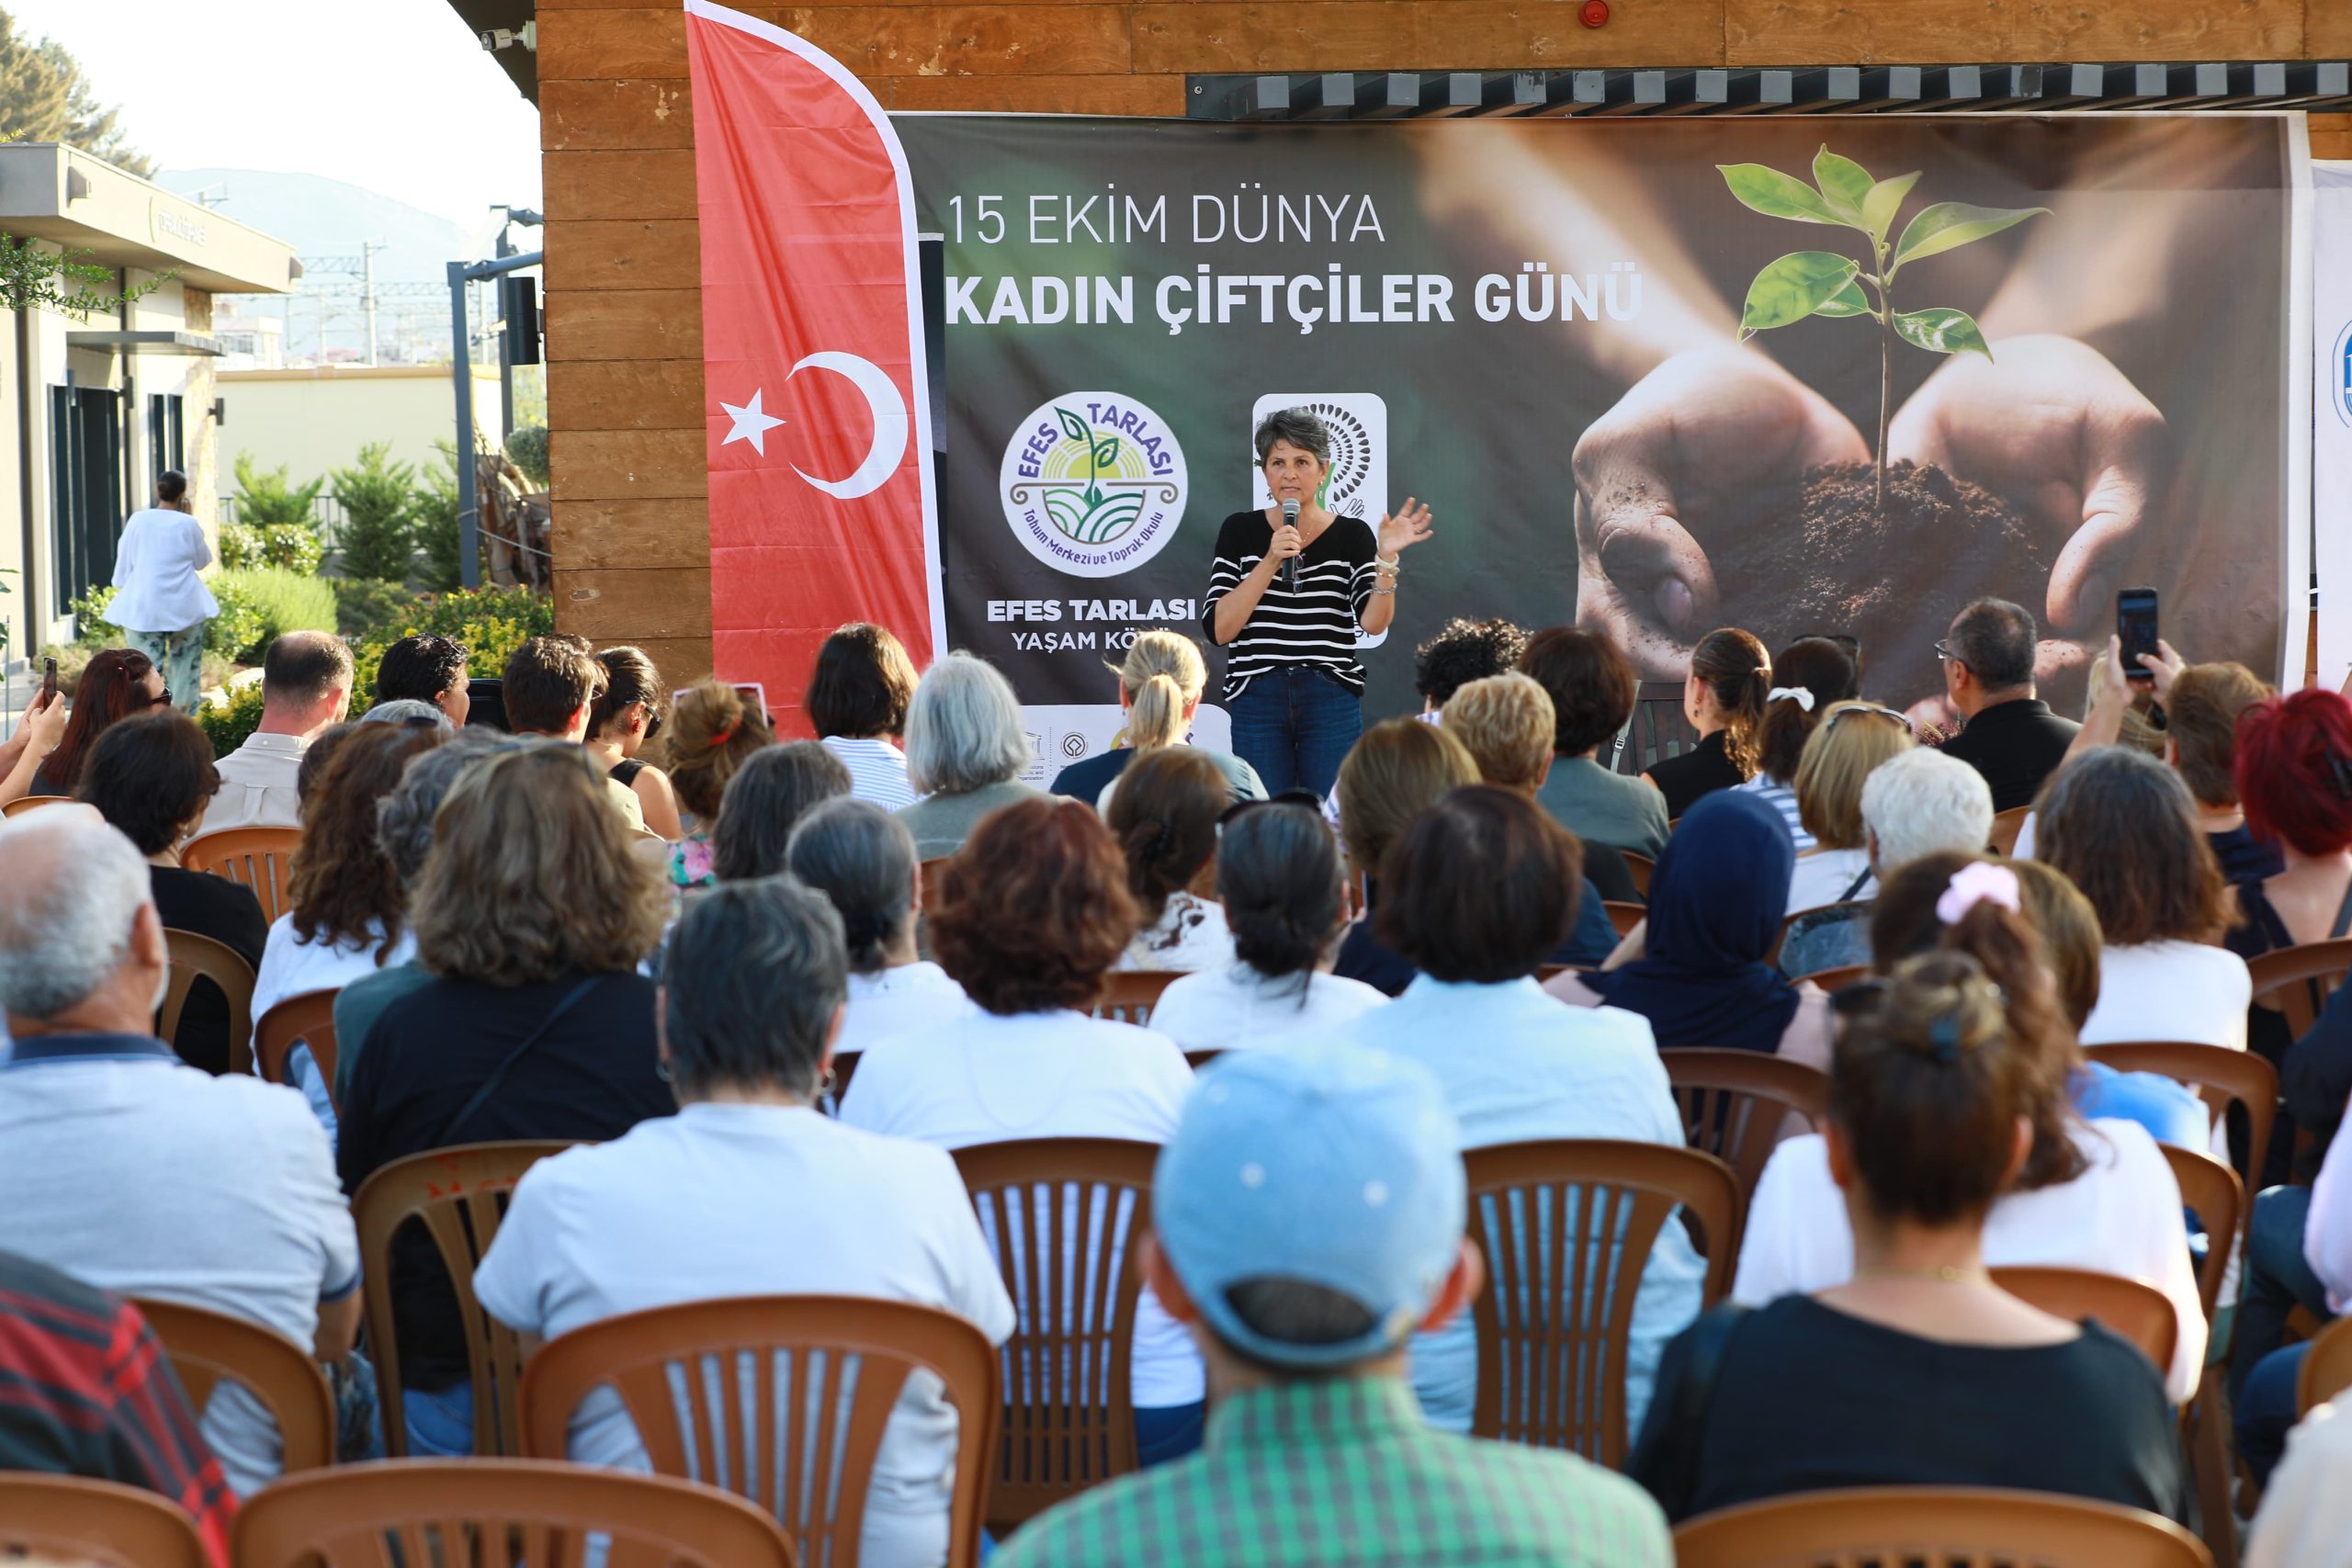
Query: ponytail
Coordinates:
[1163,672]
[1155,714]
[1737,670]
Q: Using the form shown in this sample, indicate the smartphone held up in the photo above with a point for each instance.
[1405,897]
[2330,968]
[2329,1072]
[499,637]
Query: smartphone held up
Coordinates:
[2136,624]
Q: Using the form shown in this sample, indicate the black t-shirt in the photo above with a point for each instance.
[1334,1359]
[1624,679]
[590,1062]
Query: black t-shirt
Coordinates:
[1314,624]
[2015,745]
[227,912]
[589,1079]
[1704,769]
[1807,1398]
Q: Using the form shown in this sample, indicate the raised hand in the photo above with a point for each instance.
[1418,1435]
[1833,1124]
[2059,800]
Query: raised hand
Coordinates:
[1408,524]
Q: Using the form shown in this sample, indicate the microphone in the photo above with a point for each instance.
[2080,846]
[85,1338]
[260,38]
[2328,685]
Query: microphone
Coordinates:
[1290,567]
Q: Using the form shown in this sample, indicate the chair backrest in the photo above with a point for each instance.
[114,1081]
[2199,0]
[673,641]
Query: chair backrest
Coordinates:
[206,1346]
[500,1513]
[1845,908]
[72,1518]
[458,1194]
[25,803]
[1838,979]
[195,956]
[1638,867]
[2007,826]
[1556,1314]
[2211,1192]
[2327,1366]
[2298,979]
[1934,1527]
[2138,1312]
[2218,1075]
[1129,995]
[1063,1216]
[304,1020]
[804,1458]
[1733,1102]
[1658,729]
[261,858]
[1624,917]
[1196,1060]
[933,880]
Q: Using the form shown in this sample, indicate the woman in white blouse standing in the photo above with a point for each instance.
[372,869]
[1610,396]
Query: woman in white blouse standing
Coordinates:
[159,602]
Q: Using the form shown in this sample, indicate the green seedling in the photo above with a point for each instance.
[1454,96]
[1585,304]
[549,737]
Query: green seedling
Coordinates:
[1822,283]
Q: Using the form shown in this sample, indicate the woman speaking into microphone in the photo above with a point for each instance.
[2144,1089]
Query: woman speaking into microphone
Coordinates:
[1291,587]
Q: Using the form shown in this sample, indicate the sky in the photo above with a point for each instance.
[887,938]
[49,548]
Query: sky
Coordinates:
[395,96]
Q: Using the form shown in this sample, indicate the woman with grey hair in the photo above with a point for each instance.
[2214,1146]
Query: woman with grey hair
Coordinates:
[862,857]
[965,743]
[1289,593]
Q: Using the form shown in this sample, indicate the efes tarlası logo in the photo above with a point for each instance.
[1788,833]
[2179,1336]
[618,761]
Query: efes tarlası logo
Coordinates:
[1093,483]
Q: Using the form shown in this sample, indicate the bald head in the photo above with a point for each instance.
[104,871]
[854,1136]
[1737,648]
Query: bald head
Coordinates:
[80,945]
[305,683]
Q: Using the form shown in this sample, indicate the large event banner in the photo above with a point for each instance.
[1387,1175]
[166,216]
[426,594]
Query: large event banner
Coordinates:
[1644,373]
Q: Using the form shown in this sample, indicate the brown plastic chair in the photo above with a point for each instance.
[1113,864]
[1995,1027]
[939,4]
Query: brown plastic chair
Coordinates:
[1836,979]
[2140,1313]
[933,880]
[72,1518]
[1129,995]
[2007,826]
[843,1361]
[2298,979]
[260,858]
[1937,1527]
[2210,1190]
[458,1194]
[1624,917]
[1733,1103]
[1069,1423]
[304,1020]
[25,803]
[1773,957]
[500,1513]
[2218,1075]
[1639,868]
[2327,1366]
[195,956]
[206,1346]
[1554,1318]
[845,1070]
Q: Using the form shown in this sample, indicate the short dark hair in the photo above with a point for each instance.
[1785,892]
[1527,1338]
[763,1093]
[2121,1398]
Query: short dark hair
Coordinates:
[148,777]
[1297,1312]
[2122,828]
[1484,886]
[1303,428]
[1590,682]
[1995,639]
[765,801]
[303,667]
[861,858]
[751,977]
[862,684]
[1463,651]
[547,681]
[420,666]
[170,485]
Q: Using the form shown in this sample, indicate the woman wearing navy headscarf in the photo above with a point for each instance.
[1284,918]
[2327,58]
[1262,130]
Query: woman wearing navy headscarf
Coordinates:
[1702,975]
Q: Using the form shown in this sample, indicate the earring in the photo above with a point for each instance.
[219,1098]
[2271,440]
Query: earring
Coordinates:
[825,1081]
[661,1071]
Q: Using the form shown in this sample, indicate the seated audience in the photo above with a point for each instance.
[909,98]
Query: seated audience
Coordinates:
[1479,891]
[1461,652]
[2121,827]
[1506,721]
[315,758]
[627,716]
[90,1393]
[1592,686]
[1840,754]
[1699,971]
[116,684]
[2097,1196]
[765,801]
[1160,681]
[863,859]
[150,777]
[38,734]
[551,688]
[2294,774]
[427,668]
[1724,700]
[126,1168]
[533,920]
[1279,879]
[2305,1520]
[790,1203]
[964,744]
[1914,804]
[2264,1398]
[1164,814]
[857,698]
[305,687]
[1397,768]
[2011,737]
[1033,912]
[713,734]
[1808,676]
[1934,1103]
[2203,705]
[1300,1293]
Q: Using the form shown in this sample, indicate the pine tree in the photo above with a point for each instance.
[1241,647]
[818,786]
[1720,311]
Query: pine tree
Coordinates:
[379,502]
[265,500]
[45,97]
[90,125]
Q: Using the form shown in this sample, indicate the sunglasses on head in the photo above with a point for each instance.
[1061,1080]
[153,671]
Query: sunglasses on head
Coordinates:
[1870,708]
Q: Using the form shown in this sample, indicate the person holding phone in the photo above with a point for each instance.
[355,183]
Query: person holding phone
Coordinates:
[37,733]
[159,602]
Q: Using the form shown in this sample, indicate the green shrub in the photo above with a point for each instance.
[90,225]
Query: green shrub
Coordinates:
[293,546]
[241,546]
[378,496]
[366,605]
[237,634]
[528,447]
[92,630]
[264,499]
[228,727]
[493,622]
[262,603]
[433,521]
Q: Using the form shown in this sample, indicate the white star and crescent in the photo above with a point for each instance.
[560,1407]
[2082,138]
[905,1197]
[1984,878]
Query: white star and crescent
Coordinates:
[891,426]
[752,423]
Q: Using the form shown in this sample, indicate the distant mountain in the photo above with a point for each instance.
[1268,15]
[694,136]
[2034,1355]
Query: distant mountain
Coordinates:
[320,217]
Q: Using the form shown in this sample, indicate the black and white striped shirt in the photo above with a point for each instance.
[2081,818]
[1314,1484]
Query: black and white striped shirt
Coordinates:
[1313,623]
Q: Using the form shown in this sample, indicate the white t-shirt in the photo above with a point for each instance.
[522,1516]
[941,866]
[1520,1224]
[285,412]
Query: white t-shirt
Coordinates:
[2120,1217]
[289,967]
[1823,877]
[257,785]
[1191,934]
[984,1078]
[1234,1008]
[156,566]
[2170,990]
[756,1200]
[904,1000]
[877,771]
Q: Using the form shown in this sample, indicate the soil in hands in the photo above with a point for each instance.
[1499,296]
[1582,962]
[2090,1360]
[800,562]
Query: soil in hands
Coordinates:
[1817,559]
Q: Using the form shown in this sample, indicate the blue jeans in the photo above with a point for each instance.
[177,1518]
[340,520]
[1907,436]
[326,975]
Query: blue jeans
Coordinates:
[440,1422]
[2278,1280]
[1295,725]
[2263,1411]
[1168,1431]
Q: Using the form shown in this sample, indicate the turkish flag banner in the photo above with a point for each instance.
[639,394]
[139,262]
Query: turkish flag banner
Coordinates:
[818,418]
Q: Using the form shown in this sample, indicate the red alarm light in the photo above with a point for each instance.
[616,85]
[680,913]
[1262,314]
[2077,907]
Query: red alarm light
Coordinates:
[1594,13]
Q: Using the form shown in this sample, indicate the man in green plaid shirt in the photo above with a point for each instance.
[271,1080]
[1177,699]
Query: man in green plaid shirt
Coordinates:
[1309,1212]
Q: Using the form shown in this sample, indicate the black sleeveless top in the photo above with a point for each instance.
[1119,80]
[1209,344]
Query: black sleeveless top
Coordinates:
[625,771]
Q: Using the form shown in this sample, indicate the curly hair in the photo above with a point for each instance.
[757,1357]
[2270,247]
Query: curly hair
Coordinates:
[1463,651]
[712,733]
[1164,814]
[1035,908]
[344,888]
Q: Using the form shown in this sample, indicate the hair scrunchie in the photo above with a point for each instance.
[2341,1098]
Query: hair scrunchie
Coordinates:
[1976,882]
[1801,695]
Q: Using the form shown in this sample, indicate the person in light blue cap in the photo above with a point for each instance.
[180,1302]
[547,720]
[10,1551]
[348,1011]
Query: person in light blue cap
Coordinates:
[1308,1216]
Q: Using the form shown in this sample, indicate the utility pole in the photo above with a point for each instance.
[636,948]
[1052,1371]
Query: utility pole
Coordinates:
[367,249]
